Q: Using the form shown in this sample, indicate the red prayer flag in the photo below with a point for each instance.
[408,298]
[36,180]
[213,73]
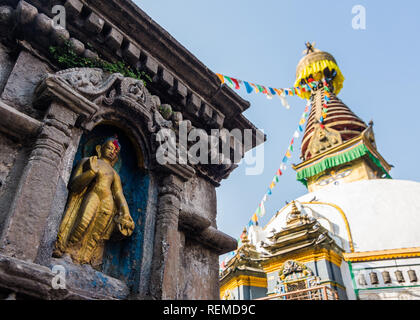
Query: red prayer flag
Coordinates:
[236,83]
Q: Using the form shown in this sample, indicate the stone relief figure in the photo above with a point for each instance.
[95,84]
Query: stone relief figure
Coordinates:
[95,207]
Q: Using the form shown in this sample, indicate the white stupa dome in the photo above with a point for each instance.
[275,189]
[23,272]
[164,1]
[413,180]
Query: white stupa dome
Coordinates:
[381,214]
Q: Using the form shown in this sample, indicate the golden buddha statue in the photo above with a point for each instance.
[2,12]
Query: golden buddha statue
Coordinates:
[96,204]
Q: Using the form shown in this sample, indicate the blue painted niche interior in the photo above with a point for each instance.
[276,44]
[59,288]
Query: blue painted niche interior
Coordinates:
[122,258]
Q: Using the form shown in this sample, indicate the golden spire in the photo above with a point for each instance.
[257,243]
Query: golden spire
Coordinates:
[318,65]
[295,216]
[295,210]
[245,239]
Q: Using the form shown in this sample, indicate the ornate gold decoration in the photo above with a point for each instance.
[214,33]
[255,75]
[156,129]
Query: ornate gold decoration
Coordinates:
[312,55]
[364,137]
[343,215]
[324,139]
[96,205]
[243,280]
[382,254]
[305,256]
[296,217]
[294,267]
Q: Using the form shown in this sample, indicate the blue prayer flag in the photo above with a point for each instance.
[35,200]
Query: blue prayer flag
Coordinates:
[248,87]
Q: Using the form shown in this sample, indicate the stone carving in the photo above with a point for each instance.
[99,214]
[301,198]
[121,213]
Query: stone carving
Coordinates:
[133,89]
[101,87]
[158,121]
[96,206]
[89,81]
[131,97]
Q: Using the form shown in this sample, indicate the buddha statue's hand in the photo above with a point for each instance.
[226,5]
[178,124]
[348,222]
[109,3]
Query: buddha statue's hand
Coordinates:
[93,163]
[125,225]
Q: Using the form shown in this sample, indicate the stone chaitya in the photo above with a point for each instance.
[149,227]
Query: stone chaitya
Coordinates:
[87,209]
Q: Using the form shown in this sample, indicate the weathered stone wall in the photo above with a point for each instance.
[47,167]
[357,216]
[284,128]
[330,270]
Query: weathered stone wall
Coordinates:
[12,151]
[200,196]
[6,65]
[201,270]
[200,265]
[27,73]
[9,152]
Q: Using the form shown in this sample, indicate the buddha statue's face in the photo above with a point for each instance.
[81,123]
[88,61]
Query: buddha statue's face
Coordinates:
[109,151]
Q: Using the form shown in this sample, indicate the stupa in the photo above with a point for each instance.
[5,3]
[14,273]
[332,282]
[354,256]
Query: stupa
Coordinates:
[367,222]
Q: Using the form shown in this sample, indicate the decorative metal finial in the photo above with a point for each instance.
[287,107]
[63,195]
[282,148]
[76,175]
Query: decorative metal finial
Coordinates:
[310,47]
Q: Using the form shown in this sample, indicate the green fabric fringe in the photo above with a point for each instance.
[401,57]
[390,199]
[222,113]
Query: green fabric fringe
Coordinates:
[333,161]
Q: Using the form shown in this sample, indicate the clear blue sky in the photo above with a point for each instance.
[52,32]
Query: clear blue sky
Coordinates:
[262,42]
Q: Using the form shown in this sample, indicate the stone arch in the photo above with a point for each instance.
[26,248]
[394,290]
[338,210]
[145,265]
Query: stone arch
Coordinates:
[135,132]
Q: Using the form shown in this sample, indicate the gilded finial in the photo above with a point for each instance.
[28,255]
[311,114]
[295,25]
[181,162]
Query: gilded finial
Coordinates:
[245,236]
[295,216]
[295,210]
[310,47]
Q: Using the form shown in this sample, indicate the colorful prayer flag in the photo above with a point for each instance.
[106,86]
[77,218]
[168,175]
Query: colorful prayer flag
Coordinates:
[248,87]
[254,217]
[230,82]
[272,91]
[222,79]
[237,87]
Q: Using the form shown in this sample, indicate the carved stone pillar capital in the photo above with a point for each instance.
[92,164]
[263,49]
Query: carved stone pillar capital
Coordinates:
[171,185]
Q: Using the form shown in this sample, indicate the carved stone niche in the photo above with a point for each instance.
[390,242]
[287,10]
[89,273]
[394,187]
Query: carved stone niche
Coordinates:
[99,99]
[107,104]
[95,88]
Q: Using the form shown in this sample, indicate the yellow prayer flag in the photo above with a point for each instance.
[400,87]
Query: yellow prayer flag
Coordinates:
[222,79]
[255,87]
[279,91]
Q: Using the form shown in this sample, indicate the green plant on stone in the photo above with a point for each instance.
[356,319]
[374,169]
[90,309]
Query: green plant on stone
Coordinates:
[66,58]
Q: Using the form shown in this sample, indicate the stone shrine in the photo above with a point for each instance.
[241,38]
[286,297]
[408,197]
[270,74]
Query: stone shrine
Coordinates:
[131,227]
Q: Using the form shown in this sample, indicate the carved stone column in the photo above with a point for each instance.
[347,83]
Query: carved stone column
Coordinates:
[166,259]
[34,198]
